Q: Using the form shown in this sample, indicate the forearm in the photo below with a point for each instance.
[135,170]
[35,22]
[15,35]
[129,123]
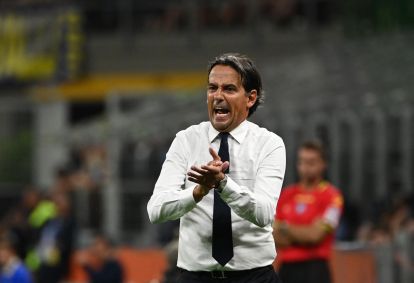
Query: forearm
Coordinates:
[252,206]
[304,234]
[281,240]
[257,204]
[170,204]
[172,197]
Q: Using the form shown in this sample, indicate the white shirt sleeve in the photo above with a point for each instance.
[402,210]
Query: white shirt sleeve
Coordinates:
[170,200]
[258,205]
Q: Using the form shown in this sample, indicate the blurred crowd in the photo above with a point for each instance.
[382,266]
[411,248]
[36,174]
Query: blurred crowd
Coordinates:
[39,232]
[391,230]
[181,14]
[389,221]
[232,13]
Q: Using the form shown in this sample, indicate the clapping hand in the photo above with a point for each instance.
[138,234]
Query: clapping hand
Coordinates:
[207,176]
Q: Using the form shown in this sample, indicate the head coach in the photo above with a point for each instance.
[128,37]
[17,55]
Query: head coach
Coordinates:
[223,178]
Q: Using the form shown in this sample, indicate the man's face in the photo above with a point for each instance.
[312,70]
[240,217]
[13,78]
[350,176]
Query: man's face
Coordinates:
[228,104]
[4,255]
[310,165]
[100,248]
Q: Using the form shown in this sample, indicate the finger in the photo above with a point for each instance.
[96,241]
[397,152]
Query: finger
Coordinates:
[212,169]
[199,170]
[225,166]
[215,163]
[194,175]
[194,180]
[214,154]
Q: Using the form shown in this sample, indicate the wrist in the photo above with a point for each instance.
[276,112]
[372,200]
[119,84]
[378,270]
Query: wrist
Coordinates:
[221,183]
[199,192]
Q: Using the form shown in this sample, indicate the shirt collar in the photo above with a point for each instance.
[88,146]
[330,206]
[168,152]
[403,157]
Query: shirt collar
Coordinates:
[239,133]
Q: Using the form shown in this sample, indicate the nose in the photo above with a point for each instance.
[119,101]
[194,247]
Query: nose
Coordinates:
[218,95]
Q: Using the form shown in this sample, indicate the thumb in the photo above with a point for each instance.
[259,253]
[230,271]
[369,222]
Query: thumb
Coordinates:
[225,166]
[214,154]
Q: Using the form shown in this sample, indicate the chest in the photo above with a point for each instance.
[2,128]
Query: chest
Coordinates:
[244,157]
[303,208]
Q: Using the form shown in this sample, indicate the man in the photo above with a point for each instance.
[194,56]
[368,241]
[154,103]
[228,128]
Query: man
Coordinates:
[110,270]
[56,241]
[12,269]
[223,179]
[307,214]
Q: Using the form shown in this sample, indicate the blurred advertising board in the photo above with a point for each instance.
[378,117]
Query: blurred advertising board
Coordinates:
[40,45]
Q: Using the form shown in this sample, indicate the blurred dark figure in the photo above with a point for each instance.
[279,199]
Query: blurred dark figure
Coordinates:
[399,215]
[20,219]
[281,12]
[233,13]
[167,232]
[349,223]
[107,268]
[56,242]
[12,269]
[62,181]
[285,12]
[17,225]
[172,274]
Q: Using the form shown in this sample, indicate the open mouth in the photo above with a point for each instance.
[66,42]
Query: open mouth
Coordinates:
[221,111]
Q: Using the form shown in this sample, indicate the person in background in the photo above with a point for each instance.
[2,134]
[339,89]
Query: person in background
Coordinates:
[56,241]
[12,269]
[307,215]
[108,269]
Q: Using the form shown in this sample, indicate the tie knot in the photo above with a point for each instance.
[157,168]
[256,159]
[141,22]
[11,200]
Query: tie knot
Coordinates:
[224,135]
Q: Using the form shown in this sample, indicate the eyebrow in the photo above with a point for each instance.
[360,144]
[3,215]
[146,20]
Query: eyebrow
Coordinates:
[224,85]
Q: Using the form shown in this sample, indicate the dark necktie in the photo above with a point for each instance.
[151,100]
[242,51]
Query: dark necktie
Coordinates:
[222,242]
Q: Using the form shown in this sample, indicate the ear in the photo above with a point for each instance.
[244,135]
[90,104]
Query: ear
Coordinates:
[252,97]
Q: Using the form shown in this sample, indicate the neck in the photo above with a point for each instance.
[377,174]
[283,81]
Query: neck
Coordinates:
[310,183]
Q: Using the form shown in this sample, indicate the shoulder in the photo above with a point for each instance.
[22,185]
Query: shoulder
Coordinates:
[190,136]
[113,262]
[114,265]
[333,194]
[194,130]
[264,135]
[22,274]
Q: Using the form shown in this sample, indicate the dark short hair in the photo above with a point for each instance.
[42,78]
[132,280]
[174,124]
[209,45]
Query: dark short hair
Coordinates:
[315,146]
[107,240]
[248,72]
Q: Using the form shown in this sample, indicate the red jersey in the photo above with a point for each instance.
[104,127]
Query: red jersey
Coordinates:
[299,206]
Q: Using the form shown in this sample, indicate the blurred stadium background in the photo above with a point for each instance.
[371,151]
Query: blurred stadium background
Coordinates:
[93,92]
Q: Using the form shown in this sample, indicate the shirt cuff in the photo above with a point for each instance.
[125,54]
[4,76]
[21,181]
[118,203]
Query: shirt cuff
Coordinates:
[231,191]
[187,200]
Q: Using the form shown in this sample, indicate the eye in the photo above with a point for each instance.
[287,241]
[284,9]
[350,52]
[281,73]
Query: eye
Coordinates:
[230,89]
[212,88]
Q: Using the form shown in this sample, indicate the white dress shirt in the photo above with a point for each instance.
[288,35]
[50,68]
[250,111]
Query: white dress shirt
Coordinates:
[254,181]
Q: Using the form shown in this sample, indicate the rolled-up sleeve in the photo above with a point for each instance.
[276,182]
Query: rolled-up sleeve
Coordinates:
[258,204]
[170,200]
